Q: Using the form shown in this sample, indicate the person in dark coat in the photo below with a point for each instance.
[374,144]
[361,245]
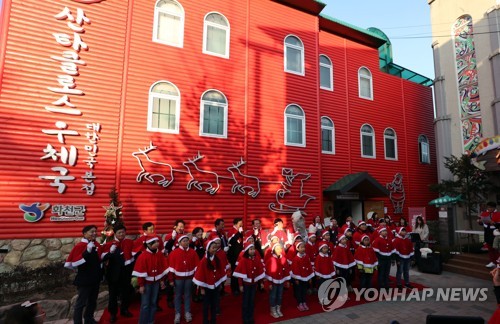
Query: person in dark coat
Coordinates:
[85,259]
[118,260]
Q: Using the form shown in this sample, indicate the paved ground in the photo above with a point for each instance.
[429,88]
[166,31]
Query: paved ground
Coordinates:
[404,312]
[413,311]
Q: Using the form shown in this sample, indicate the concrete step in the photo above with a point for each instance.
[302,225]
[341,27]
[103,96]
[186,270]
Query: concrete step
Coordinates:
[480,273]
[473,257]
[468,263]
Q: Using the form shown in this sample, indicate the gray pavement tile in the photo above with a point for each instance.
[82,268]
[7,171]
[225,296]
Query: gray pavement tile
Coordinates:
[352,316]
[481,308]
[428,311]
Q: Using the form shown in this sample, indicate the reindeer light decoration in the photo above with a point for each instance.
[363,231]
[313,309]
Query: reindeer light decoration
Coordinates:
[253,183]
[200,178]
[165,178]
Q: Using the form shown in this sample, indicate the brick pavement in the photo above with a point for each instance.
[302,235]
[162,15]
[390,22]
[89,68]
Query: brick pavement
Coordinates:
[413,311]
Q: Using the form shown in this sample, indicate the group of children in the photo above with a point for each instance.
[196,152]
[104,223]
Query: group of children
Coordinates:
[194,262]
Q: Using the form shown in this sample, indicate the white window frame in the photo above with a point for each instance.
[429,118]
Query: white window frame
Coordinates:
[328,128]
[301,49]
[370,78]
[421,153]
[212,103]
[330,68]
[303,121]
[393,138]
[153,95]
[373,141]
[205,31]
[157,21]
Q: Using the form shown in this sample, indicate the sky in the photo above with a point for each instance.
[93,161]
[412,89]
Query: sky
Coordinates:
[405,22]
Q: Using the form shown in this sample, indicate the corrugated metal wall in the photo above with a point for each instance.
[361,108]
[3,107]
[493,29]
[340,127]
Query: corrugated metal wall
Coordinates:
[122,64]
[28,71]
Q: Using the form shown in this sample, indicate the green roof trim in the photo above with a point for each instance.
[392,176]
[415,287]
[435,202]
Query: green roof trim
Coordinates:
[359,29]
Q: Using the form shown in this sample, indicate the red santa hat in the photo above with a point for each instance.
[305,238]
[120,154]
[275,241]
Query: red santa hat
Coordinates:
[247,237]
[247,246]
[340,237]
[322,244]
[381,229]
[297,245]
[311,235]
[361,222]
[296,235]
[183,236]
[347,229]
[324,232]
[210,241]
[151,238]
[276,245]
[402,228]
[364,236]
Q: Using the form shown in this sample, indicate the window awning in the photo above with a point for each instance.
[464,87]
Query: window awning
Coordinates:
[362,183]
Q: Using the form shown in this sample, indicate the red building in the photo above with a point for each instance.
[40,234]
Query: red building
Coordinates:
[199,110]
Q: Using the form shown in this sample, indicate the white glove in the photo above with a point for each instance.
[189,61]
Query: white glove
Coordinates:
[240,229]
[174,234]
[113,248]
[226,249]
[90,246]
[194,239]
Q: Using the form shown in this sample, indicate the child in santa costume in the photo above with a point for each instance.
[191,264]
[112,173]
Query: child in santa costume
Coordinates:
[384,249]
[292,250]
[277,272]
[324,268]
[269,252]
[343,260]
[117,257]
[325,236]
[404,250]
[209,276]
[366,260]
[361,230]
[249,272]
[312,247]
[183,262]
[84,258]
[302,273]
[150,269]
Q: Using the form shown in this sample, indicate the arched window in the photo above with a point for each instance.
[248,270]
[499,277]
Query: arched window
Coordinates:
[367,141]
[325,73]
[327,136]
[213,114]
[169,23]
[294,55]
[390,144]
[423,149]
[295,126]
[365,83]
[164,107]
[216,35]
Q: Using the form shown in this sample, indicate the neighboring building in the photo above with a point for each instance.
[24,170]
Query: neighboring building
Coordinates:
[203,109]
[466,38]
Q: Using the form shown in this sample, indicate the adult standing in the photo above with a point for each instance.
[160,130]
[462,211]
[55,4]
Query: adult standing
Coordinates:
[117,255]
[487,220]
[259,236]
[235,238]
[171,244]
[317,226]
[85,259]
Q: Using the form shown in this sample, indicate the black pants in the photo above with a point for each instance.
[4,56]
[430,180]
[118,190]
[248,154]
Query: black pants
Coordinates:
[248,303]
[384,269]
[87,298]
[344,273]
[119,289]
[210,305]
[235,287]
[300,291]
[365,280]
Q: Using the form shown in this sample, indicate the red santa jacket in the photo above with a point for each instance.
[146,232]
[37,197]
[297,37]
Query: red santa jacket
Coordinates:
[383,246]
[365,257]
[257,257]
[312,251]
[182,263]
[403,247]
[277,269]
[210,273]
[223,259]
[323,266]
[124,247]
[301,267]
[150,267]
[76,257]
[342,257]
[250,270]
